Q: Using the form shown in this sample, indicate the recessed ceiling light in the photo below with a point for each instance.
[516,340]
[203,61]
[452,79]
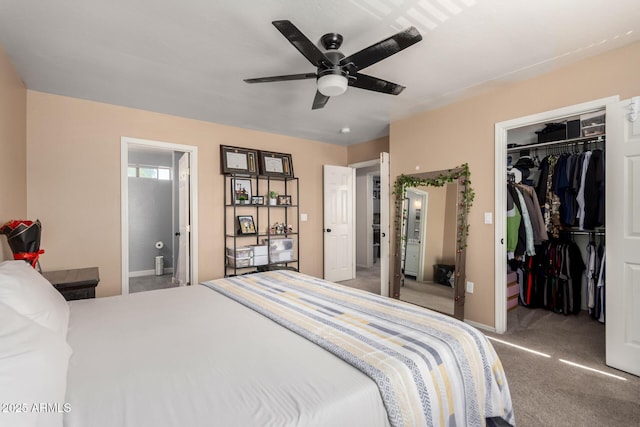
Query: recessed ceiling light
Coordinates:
[345,129]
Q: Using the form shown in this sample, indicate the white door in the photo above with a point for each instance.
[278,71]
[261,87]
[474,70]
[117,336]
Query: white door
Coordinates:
[623,238]
[182,271]
[339,207]
[384,224]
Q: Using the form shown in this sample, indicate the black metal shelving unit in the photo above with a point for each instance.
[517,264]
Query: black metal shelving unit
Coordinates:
[264,216]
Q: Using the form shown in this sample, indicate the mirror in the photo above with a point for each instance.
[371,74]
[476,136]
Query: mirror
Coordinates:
[430,238]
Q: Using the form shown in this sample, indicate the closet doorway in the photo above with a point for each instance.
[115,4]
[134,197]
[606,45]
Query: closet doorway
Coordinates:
[159,215]
[622,350]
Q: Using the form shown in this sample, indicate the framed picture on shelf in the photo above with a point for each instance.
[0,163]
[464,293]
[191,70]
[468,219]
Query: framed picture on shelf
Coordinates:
[284,200]
[275,164]
[240,191]
[246,225]
[238,160]
[257,200]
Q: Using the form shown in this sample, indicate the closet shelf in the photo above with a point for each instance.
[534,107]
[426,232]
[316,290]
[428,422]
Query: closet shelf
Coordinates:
[581,140]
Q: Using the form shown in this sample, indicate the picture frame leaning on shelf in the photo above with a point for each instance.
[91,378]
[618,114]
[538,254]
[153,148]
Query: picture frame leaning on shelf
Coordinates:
[246,225]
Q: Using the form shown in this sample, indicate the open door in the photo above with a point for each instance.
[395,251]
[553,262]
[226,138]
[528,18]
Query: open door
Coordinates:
[384,224]
[339,223]
[182,274]
[622,291]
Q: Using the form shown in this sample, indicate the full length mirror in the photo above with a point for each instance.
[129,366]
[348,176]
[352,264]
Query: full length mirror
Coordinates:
[431,230]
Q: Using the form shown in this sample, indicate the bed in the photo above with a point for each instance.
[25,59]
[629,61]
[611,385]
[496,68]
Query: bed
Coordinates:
[277,348]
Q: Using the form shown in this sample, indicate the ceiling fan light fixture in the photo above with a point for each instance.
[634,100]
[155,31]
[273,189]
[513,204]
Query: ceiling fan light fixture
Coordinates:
[333,84]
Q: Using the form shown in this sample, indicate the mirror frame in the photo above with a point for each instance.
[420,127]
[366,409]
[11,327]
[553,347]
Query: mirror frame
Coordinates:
[466,195]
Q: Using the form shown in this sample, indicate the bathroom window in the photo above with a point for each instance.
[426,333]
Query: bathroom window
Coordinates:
[150,172]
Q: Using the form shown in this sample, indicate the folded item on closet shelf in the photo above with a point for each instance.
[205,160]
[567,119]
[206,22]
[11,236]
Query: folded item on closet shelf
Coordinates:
[525,162]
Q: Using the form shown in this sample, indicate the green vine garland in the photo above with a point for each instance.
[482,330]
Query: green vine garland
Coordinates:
[403,182]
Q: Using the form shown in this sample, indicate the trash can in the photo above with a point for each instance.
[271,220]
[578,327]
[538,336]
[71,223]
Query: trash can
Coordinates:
[159,265]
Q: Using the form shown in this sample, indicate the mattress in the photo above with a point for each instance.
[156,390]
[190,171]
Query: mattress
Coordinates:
[192,357]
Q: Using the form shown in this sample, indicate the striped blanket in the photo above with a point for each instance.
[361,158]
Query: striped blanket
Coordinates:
[431,369]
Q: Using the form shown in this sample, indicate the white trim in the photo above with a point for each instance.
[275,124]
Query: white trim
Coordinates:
[500,208]
[424,202]
[480,325]
[365,164]
[125,143]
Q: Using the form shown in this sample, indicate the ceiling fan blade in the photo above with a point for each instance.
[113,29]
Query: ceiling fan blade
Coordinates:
[282,78]
[383,49]
[302,43]
[319,101]
[375,84]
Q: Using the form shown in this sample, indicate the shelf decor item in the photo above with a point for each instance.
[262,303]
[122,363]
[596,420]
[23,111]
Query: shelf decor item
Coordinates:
[276,164]
[257,200]
[241,191]
[273,198]
[238,160]
[284,200]
[246,225]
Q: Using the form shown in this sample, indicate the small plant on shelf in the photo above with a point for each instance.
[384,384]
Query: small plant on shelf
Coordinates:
[273,196]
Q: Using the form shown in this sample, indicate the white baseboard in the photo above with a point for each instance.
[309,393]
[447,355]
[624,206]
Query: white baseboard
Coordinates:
[480,325]
[148,272]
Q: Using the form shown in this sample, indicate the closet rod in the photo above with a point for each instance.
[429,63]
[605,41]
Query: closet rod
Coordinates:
[585,232]
[581,140]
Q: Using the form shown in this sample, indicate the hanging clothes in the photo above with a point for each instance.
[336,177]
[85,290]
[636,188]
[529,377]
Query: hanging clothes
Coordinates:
[551,201]
[593,186]
[513,226]
[568,195]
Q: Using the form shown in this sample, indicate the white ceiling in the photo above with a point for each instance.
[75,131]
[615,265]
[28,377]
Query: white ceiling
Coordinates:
[188,58]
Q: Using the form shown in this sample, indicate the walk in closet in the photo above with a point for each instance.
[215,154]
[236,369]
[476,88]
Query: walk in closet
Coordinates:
[613,240]
[555,215]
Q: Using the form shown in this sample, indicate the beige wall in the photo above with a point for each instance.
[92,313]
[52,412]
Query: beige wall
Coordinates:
[73,168]
[369,150]
[13,140]
[436,207]
[464,132]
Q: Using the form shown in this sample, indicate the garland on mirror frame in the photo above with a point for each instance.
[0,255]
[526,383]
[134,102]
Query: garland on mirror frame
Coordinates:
[403,182]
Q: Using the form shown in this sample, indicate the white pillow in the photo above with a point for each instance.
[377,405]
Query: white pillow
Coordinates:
[26,291]
[33,371]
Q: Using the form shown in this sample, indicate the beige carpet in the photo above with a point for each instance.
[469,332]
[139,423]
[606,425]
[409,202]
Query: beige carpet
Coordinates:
[367,279]
[548,392]
[430,295]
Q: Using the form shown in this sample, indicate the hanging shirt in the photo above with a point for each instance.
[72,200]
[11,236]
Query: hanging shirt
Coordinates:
[594,178]
[591,275]
[530,249]
[600,287]
[513,225]
[580,197]
[552,202]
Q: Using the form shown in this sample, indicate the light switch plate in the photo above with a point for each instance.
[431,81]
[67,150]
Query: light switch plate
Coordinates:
[303,217]
[488,218]
[470,287]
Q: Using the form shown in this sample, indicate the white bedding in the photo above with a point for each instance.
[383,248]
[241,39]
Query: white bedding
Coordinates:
[192,357]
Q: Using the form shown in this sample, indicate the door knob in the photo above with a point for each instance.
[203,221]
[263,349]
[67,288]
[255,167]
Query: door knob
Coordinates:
[328,230]
[383,234]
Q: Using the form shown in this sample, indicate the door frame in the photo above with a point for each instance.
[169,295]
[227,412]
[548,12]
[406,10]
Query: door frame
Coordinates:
[424,209]
[125,144]
[500,209]
[384,201]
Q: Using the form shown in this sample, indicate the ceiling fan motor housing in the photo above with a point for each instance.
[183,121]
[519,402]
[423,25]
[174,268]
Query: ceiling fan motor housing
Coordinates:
[331,41]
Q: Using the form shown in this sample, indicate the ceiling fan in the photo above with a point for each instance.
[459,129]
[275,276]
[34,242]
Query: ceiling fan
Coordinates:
[334,70]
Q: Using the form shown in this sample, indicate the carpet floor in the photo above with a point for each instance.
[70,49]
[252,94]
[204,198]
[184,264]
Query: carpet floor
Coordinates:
[549,392]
